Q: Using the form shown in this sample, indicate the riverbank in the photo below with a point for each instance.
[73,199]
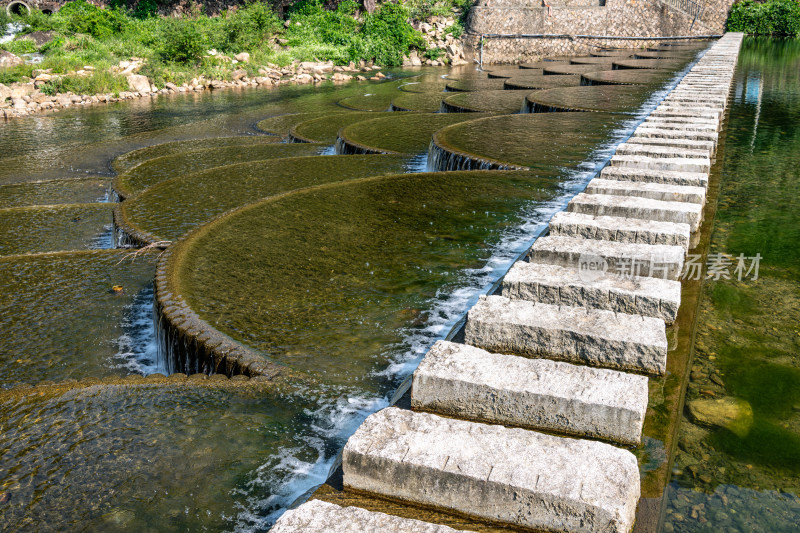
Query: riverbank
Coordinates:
[85,55]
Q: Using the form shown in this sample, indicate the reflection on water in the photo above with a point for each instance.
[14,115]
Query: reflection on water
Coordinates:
[748,342]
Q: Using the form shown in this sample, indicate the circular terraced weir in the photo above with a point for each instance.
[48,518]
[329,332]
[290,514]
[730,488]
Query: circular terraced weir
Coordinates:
[420,102]
[324,129]
[538,65]
[502,72]
[601,98]
[521,141]
[281,125]
[667,54]
[485,101]
[167,167]
[330,304]
[540,81]
[133,158]
[60,316]
[436,86]
[476,85]
[592,60]
[379,98]
[168,210]
[667,64]
[568,69]
[407,133]
[627,77]
[50,228]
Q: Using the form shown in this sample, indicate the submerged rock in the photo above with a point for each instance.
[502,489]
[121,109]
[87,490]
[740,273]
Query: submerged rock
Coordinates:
[731,413]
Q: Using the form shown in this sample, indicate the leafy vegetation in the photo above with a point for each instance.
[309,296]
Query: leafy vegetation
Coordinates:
[774,17]
[175,48]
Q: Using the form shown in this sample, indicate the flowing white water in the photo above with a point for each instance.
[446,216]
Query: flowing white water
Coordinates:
[11,31]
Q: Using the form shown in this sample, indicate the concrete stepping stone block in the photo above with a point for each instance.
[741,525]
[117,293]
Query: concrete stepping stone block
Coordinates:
[625,259]
[709,147]
[510,475]
[619,229]
[692,179]
[469,383]
[654,191]
[558,285]
[579,335]
[632,149]
[634,207]
[653,130]
[316,516]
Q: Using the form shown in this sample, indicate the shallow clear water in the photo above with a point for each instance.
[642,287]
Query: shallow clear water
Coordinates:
[748,343]
[350,283]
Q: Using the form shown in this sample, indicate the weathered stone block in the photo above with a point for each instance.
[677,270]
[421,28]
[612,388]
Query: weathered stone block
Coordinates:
[510,475]
[692,179]
[633,207]
[619,229]
[470,383]
[654,191]
[581,335]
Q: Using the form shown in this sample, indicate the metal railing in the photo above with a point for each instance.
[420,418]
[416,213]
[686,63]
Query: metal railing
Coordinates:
[689,7]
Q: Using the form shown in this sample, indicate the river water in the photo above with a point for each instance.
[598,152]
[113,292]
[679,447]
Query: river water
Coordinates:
[343,269]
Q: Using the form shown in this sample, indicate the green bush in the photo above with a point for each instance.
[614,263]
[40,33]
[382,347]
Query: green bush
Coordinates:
[182,42]
[20,46]
[5,20]
[774,17]
[96,83]
[247,28]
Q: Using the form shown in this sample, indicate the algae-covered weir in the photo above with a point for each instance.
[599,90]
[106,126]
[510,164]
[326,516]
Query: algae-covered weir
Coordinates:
[452,300]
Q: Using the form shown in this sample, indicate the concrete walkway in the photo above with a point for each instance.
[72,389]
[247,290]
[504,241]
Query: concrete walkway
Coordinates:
[565,349]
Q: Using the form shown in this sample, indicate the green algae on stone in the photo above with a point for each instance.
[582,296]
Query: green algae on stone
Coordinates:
[425,86]
[627,77]
[662,64]
[60,315]
[419,102]
[168,210]
[333,305]
[561,70]
[324,129]
[592,60]
[539,65]
[281,125]
[133,158]
[52,228]
[602,98]
[179,164]
[476,85]
[533,82]
[504,101]
[148,457]
[620,53]
[406,133]
[377,97]
[502,72]
[672,54]
[541,140]
[52,192]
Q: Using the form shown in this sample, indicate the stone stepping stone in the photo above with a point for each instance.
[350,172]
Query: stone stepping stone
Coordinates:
[595,337]
[632,148]
[316,516]
[680,164]
[654,191]
[641,208]
[467,382]
[626,259]
[678,124]
[697,179]
[689,144]
[558,285]
[619,229]
[654,130]
[510,475]
[673,111]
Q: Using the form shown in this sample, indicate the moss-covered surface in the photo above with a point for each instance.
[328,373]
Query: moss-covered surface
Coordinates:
[420,102]
[166,211]
[476,84]
[486,101]
[61,316]
[533,82]
[568,69]
[51,228]
[627,77]
[52,192]
[324,129]
[601,98]
[179,164]
[405,133]
[560,139]
[664,64]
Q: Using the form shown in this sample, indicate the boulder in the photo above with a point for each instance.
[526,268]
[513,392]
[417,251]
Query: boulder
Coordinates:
[171,87]
[243,57]
[38,37]
[730,413]
[237,75]
[139,83]
[415,60]
[5,92]
[7,59]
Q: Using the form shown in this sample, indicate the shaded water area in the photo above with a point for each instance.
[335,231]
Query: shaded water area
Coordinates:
[740,472]
[341,270]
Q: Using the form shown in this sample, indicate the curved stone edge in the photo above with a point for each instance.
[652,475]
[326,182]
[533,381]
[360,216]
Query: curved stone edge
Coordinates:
[190,344]
[442,157]
[345,146]
[126,235]
[449,107]
[135,380]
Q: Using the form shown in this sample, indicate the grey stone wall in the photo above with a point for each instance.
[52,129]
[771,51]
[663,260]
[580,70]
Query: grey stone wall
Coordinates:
[615,18]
